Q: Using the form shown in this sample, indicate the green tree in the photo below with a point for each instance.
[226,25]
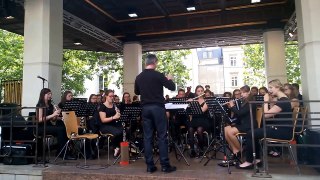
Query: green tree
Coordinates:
[254,73]
[293,63]
[11,56]
[79,65]
[171,62]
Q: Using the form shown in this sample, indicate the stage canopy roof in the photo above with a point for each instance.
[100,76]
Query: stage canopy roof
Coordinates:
[102,25]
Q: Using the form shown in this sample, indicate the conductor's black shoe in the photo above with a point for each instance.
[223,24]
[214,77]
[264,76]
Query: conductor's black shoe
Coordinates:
[152,169]
[168,169]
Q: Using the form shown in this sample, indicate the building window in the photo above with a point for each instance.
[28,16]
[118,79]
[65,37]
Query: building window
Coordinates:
[210,54]
[204,55]
[233,61]
[234,81]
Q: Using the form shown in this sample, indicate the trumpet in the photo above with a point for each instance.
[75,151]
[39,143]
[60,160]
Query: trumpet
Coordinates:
[198,96]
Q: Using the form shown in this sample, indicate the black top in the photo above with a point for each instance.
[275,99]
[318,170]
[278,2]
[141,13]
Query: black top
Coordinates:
[149,84]
[285,108]
[109,112]
[49,110]
[243,114]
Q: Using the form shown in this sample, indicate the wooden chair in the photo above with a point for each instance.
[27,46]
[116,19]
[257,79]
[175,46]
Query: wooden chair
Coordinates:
[304,112]
[70,122]
[241,135]
[286,142]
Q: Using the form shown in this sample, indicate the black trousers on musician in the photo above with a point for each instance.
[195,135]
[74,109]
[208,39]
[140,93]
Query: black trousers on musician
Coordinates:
[278,133]
[116,131]
[58,130]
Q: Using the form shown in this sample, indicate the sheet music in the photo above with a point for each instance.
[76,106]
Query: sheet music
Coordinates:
[176,106]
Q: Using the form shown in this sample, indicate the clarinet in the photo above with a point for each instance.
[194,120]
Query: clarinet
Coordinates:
[56,108]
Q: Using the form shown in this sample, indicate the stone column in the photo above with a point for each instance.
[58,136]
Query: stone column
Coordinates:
[43,43]
[307,13]
[132,65]
[274,55]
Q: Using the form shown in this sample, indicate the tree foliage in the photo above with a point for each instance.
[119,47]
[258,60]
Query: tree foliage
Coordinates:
[11,56]
[79,65]
[293,63]
[171,62]
[254,73]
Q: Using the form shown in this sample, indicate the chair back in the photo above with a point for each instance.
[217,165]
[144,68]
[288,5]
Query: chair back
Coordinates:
[259,116]
[70,122]
[304,112]
[295,114]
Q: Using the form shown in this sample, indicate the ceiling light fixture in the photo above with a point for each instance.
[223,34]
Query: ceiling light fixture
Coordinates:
[255,1]
[77,42]
[133,15]
[191,5]
[191,8]
[9,17]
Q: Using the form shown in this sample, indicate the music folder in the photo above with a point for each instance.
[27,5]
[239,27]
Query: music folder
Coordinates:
[176,106]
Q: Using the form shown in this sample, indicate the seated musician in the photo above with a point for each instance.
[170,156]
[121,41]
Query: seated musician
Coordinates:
[54,126]
[281,132]
[207,93]
[109,116]
[126,98]
[66,97]
[289,91]
[227,94]
[93,99]
[90,121]
[198,123]
[243,115]
[178,120]
[262,91]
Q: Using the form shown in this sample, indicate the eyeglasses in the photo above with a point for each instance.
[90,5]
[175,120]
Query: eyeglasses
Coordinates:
[111,96]
[237,94]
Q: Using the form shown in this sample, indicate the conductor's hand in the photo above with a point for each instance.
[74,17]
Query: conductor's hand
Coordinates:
[169,77]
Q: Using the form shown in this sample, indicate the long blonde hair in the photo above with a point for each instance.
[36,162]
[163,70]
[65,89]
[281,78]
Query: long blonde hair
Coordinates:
[276,83]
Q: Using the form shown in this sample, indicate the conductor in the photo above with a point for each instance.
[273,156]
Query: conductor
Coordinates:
[149,84]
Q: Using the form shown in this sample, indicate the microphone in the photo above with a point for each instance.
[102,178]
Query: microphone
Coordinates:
[43,79]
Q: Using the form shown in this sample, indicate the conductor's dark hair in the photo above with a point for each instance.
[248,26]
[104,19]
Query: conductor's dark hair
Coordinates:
[151,59]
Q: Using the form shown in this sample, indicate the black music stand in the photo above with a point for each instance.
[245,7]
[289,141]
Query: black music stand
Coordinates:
[85,110]
[217,105]
[179,110]
[72,105]
[130,113]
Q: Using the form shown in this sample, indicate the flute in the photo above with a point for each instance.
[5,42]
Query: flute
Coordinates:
[198,96]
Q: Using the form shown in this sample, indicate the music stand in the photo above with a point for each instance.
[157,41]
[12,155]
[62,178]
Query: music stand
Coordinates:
[177,106]
[71,105]
[84,111]
[129,113]
[217,105]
